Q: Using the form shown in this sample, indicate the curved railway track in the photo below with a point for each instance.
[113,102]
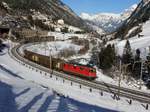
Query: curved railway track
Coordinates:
[128,93]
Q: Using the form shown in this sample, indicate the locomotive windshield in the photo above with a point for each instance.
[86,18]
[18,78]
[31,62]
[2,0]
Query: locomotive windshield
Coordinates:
[93,71]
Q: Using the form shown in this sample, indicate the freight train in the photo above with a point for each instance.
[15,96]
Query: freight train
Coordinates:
[86,72]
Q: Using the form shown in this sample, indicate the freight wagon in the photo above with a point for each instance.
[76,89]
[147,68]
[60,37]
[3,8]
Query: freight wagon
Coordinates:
[60,65]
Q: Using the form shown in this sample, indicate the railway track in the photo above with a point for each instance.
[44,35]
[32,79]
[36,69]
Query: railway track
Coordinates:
[124,92]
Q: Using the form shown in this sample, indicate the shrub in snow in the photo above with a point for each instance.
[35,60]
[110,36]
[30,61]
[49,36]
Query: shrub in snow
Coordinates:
[127,53]
[81,42]
[64,30]
[67,52]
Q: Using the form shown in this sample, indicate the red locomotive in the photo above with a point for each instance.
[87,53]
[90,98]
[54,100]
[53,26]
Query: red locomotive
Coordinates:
[60,65]
[80,70]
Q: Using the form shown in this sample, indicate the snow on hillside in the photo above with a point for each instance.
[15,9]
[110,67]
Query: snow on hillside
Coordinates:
[23,89]
[65,36]
[53,48]
[124,82]
[96,28]
[73,29]
[108,21]
[128,12]
[136,42]
[19,95]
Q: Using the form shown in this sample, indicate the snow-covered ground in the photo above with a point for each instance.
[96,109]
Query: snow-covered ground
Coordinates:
[53,48]
[19,95]
[141,43]
[134,84]
[24,89]
[136,42]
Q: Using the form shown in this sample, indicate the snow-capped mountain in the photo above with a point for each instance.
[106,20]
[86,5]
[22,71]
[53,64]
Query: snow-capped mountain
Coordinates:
[128,12]
[108,21]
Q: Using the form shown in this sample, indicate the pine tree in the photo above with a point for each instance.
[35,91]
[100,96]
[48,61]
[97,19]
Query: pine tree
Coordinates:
[107,57]
[127,54]
[136,69]
[64,30]
[0,41]
[137,55]
[113,54]
[148,61]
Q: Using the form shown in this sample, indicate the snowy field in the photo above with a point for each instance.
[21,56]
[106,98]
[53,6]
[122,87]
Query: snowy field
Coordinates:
[53,48]
[35,91]
[19,95]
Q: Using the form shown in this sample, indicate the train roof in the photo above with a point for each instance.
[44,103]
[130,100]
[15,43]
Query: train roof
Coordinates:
[78,64]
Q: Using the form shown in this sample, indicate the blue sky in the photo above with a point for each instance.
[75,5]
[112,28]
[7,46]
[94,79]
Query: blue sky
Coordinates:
[97,6]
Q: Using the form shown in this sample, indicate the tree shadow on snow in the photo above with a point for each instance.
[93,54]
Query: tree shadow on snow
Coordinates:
[23,92]
[7,98]
[46,104]
[31,103]
[10,72]
[67,104]
[3,49]
[63,105]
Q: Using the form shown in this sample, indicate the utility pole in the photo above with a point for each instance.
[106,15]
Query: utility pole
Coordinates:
[9,39]
[50,59]
[45,46]
[141,75]
[119,81]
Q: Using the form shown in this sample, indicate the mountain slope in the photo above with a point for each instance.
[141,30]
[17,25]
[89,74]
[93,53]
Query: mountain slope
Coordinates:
[54,9]
[133,25]
[108,21]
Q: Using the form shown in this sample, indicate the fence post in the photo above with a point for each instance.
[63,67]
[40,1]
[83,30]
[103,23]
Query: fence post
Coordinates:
[90,89]
[80,86]
[101,93]
[71,83]
[146,106]
[130,102]
[51,76]
[114,96]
